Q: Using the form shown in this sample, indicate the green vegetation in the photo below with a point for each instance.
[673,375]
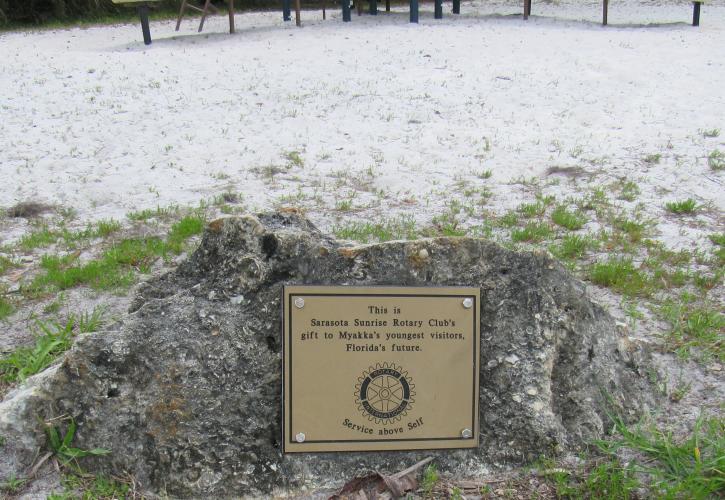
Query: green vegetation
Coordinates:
[533,232]
[710,133]
[629,191]
[532,209]
[620,274]
[572,246]
[687,206]
[13,484]
[89,487]
[51,340]
[716,160]
[60,444]
[157,213]
[691,468]
[40,237]
[430,479]
[694,326]
[6,308]
[567,219]
[294,159]
[402,228]
[652,159]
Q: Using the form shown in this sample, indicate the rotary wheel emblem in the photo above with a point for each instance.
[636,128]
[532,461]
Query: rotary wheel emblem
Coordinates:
[384,393]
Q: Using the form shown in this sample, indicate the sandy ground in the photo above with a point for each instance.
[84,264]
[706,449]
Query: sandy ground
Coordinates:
[93,119]
[392,116]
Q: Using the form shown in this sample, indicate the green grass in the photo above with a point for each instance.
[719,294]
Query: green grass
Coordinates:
[402,228]
[687,206]
[633,230]
[188,226]
[608,480]
[149,213]
[689,468]
[620,274]
[629,191]
[716,160]
[6,308]
[429,480]
[710,133]
[40,237]
[718,239]
[572,246]
[6,264]
[532,209]
[568,219]
[652,159]
[533,232]
[52,339]
[61,444]
[294,158]
[699,327]
[88,487]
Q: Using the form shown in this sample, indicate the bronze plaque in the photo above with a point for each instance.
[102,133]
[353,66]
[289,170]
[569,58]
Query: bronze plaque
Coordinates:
[380,368]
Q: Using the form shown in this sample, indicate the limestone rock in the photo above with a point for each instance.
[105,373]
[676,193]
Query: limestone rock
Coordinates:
[185,390]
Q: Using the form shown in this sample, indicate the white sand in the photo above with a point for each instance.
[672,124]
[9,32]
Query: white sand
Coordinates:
[93,119]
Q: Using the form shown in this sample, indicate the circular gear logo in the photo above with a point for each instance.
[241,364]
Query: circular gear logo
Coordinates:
[384,393]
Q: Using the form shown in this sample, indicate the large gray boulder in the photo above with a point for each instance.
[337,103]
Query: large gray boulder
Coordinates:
[185,390]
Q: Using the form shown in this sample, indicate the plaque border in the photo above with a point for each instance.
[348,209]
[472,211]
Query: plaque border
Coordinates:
[287,361]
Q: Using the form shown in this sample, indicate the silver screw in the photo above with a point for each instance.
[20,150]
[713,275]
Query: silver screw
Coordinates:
[466,434]
[300,437]
[300,303]
[468,303]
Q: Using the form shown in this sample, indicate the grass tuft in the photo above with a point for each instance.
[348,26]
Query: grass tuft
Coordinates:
[687,206]
[716,160]
[392,229]
[533,232]
[569,220]
[620,274]
[699,327]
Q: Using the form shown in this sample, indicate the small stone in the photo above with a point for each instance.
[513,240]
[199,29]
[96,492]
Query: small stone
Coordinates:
[512,359]
[716,367]
[212,295]
[537,316]
[423,253]
[516,398]
[531,391]
[537,406]
[237,299]
[492,364]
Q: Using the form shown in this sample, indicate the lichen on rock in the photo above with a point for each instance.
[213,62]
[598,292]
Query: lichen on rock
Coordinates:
[185,390]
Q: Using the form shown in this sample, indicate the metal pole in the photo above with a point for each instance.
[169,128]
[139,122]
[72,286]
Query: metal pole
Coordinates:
[413,11]
[696,13]
[231,16]
[143,13]
[286,10]
[605,11]
[345,10]
[527,9]
[438,10]
[298,21]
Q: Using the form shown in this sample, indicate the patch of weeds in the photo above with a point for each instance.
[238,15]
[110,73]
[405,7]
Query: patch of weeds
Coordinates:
[596,200]
[51,340]
[343,205]
[153,213]
[91,488]
[716,160]
[105,228]
[294,158]
[430,479]
[629,191]
[687,206]
[718,239]
[633,229]
[530,210]
[509,219]
[652,159]
[40,237]
[484,174]
[567,219]
[533,232]
[686,468]
[710,133]
[391,229]
[6,264]
[6,308]
[620,274]
[61,444]
[572,246]
[28,209]
[13,484]
[701,327]
[187,227]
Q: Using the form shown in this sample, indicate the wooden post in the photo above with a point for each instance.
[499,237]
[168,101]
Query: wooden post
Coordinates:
[373,7]
[605,11]
[696,13]
[345,10]
[298,21]
[527,9]
[231,16]
[387,5]
[324,10]
[456,6]
[413,11]
[438,9]
[181,14]
[143,13]
[285,10]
